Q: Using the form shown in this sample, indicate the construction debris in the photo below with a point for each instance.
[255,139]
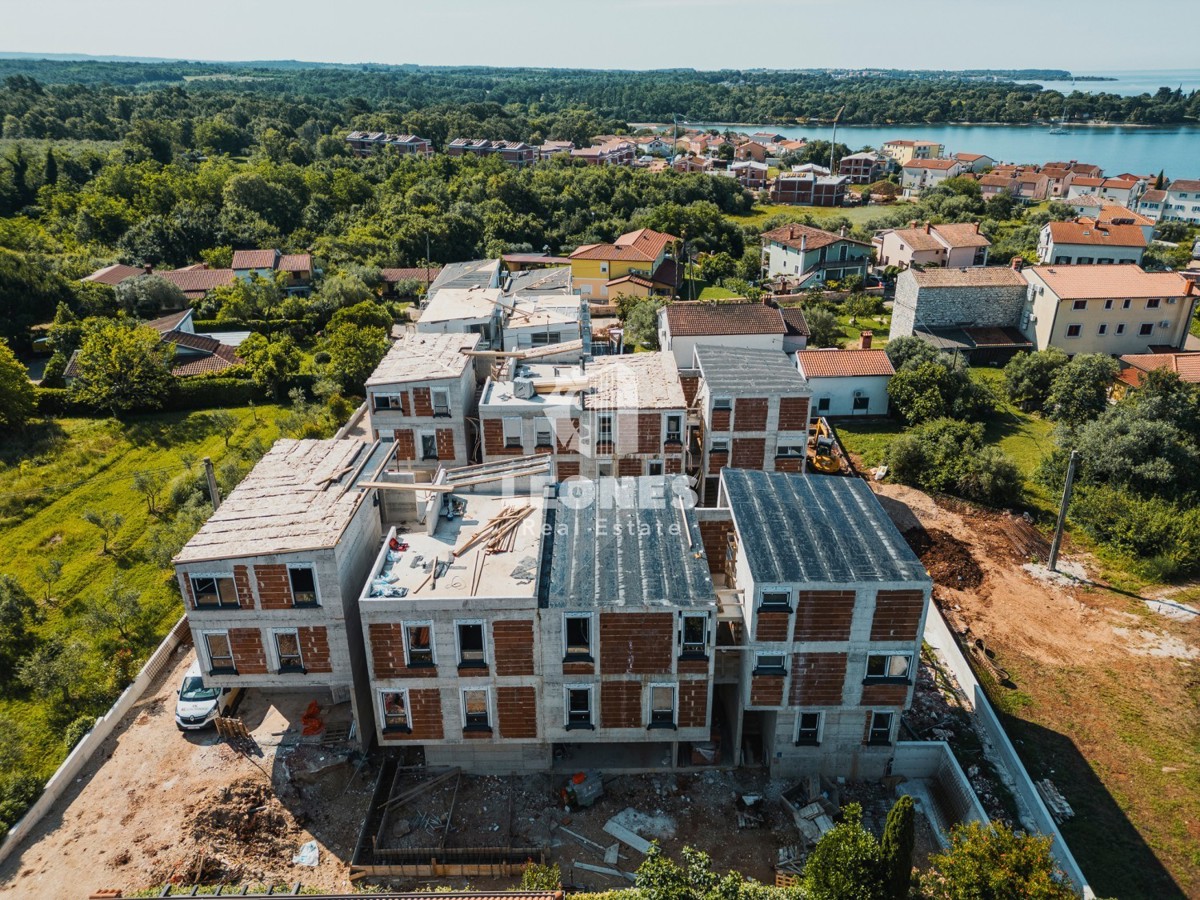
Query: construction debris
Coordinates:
[601,870]
[1059,808]
[625,836]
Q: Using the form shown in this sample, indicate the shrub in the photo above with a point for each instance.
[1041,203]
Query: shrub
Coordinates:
[17,793]
[76,731]
[208,393]
[1028,377]
[863,305]
[949,456]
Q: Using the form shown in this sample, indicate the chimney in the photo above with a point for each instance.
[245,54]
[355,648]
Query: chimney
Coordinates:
[927,228]
[913,224]
[1191,288]
[842,231]
[804,243]
[977,228]
[148,269]
[865,339]
[1018,263]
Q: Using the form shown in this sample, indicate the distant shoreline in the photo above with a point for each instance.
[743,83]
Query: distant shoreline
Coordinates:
[823,124]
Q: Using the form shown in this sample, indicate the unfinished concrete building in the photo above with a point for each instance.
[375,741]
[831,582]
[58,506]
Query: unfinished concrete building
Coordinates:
[271,581]
[750,412]
[617,415]
[421,396]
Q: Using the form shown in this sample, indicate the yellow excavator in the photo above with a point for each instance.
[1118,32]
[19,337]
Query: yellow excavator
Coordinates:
[824,459]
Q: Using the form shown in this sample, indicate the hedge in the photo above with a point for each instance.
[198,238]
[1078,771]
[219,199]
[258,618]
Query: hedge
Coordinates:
[186,395]
[297,328]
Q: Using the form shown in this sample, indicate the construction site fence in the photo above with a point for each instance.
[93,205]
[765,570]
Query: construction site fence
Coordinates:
[1033,809]
[79,757]
[444,862]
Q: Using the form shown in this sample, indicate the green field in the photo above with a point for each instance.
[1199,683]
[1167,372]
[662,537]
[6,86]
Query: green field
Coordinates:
[52,474]
[858,215]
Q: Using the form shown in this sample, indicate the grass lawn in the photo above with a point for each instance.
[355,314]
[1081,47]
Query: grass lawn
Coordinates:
[853,330]
[856,214]
[48,478]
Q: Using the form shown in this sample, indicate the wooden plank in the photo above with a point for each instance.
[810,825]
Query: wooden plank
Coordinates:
[420,789]
[604,870]
[625,836]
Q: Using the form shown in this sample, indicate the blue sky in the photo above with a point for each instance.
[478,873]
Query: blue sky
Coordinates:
[636,34]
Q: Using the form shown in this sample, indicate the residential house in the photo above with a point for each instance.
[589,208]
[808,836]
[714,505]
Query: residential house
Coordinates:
[753,408]
[1114,310]
[797,334]
[921,174]
[808,256]
[1084,184]
[1058,181]
[1135,367]
[1182,203]
[973,311]
[863,168]
[547,319]
[365,143]
[654,145]
[952,246]
[904,152]
[751,150]
[475,273]
[767,138]
[618,152]
[594,267]
[833,605]
[1152,204]
[270,582]
[1125,190]
[193,281]
[297,268]
[790,146]
[618,415]
[474,310]
[113,275]
[192,353]
[1083,170]
[395,278]
[551,149]
[847,382]
[1085,241]
[523,262]
[974,162]
[750,174]
[995,183]
[1032,186]
[515,153]
[810,190]
[1112,214]
[687,163]
[682,326]
[420,398]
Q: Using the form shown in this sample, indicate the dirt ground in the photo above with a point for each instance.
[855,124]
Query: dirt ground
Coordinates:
[1102,692]
[155,806]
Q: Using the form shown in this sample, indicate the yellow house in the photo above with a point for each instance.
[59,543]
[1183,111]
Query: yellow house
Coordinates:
[633,263]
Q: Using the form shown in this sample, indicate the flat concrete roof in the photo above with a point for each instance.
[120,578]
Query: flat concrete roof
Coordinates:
[452,304]
[632,544]
[508,575]
[816,528]
[300,496]
[629,382]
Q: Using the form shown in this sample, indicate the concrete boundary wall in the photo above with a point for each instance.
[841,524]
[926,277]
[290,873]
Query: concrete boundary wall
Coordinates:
[934,761]
[352,422]
[79,757]
[999,749]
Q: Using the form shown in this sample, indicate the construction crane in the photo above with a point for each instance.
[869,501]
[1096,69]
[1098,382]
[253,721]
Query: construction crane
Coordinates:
[833,140]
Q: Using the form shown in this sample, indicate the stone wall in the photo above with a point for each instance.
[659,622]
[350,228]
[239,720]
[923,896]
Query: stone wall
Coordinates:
[945,307]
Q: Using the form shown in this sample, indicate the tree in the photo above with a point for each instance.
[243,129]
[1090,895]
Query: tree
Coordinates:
[340,290]
[150,485]
[50,170]
[224,423]
[368,314]
[18,612]
[121,610]
[1028,377]
[823,328]
[354,353]
[641,325]
[922,392]
[53,670]
[122,367]
[48,573]
[109,524]
[270,361]
[148,295]
[1079,389]
[899,837]
[905,352]
[847,863]
[991,862]
[16,391]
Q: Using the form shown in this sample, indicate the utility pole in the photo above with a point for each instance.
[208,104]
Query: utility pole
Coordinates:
[1062,510]
[833,140]
[213,491]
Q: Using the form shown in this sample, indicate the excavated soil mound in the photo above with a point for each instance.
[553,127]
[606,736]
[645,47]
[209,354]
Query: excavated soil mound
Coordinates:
[949,561]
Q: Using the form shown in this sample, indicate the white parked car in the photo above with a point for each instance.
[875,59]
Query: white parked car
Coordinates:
[198,704]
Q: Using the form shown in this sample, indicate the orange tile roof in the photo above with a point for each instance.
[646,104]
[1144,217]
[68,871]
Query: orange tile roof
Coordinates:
[255,259]
[962,234]
[1102,282]
[1088,232]
[1184,185]
[1087,182]
[198,281]
[642,245]
[115,274]
[704,318]
[790,236]
[844,363]
[295,262]
[931,164]
[1186,365]
[1111,213]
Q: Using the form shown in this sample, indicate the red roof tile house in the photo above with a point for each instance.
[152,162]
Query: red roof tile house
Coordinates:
[921,174]
[806,257]
[597,270]
[847,382]
[1087,241]
[298,267]
[195,354]
[740,323]
[1135,366]
[955,246]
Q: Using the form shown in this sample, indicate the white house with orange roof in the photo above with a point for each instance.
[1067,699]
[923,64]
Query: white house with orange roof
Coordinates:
[955,246]
[921,174]
[1086,241]
[1182,203]
[847,382]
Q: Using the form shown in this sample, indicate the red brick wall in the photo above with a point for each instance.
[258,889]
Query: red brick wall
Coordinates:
[620,704]
[274,589]
[720,420]
[693,704]
[649,432]
[567,468]
[884,694]
[579,668]
[248,655]
[787,464]
[406,444]
[823,615]
[897,615]
[673,465]
[749,453]
[714,535]
[636,643]
[241,580]
[493,439]
[517,712]
[818,678]
[766,690]
[716,462]
[426,714]
[512,644]
[690,384]
[770,626]
[314,649]
[691,666]
[445,443]
[386,641]
[405,405]
[630,465]
[422,404]
[793,413]
[750,414]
